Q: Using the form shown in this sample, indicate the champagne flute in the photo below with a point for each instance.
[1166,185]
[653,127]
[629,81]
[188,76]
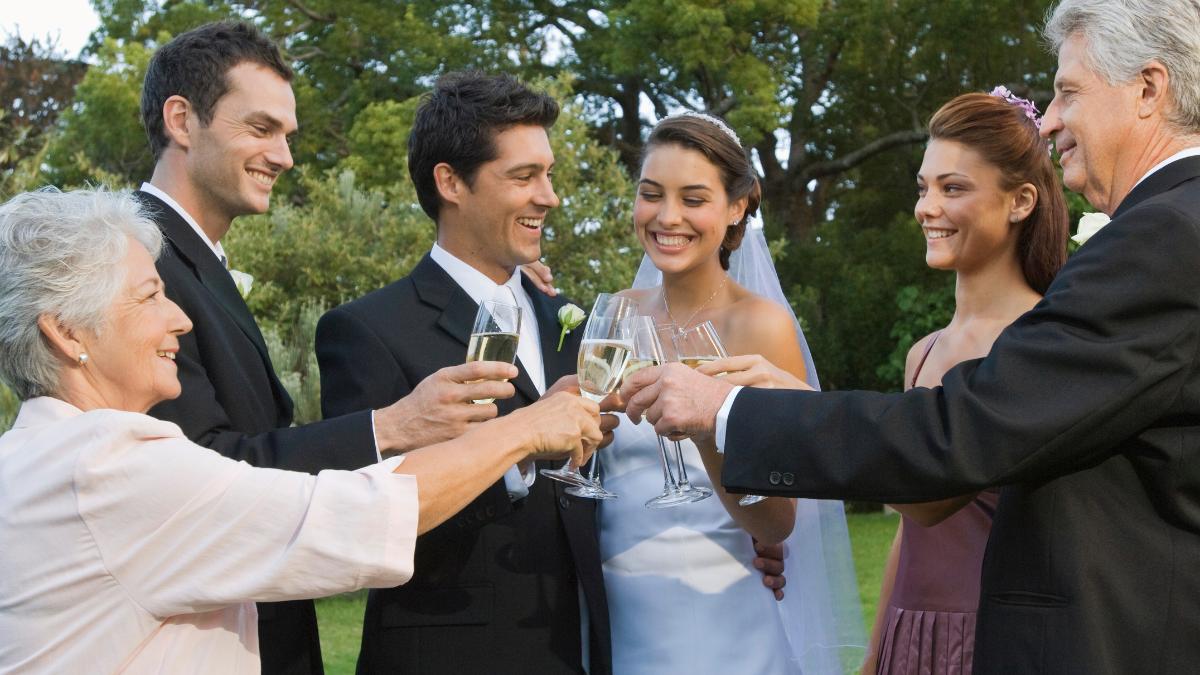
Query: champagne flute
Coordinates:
[607,341]
[495,334]
[701,345]
[659,340]
[690,352]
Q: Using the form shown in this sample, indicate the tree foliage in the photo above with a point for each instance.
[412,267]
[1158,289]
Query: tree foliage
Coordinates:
[36,85]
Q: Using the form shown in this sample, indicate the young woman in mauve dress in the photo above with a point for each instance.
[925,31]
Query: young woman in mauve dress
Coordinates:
[991,209]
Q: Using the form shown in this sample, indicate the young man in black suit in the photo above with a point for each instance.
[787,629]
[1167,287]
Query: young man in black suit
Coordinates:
[1087,409]
[218,109]
[513,583]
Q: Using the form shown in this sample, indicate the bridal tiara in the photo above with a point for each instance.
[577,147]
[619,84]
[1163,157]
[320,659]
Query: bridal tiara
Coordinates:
[715,121]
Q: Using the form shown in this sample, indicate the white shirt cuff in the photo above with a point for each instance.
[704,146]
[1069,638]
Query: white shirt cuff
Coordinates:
[375,438]
[515,483]
[530,475]
[723,417]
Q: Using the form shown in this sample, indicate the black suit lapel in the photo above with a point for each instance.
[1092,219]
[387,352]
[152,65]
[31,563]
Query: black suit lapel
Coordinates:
[438,289]
[555,363]
[1159,182]
[208,269]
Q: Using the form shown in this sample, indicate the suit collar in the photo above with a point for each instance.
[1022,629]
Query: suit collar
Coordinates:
[1159,182]
[199,256]
[216,248]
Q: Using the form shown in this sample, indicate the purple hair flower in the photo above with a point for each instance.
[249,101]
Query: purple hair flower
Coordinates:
[1024,104]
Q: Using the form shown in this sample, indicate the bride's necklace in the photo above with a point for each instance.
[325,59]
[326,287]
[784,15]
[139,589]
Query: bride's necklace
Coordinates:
[684,326]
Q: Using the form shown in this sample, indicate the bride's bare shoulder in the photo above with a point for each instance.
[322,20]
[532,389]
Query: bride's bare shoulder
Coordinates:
[640,295]
[759,325]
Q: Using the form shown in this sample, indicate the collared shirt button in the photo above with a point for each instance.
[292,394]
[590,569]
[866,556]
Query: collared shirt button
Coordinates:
[789,478]
[774,478]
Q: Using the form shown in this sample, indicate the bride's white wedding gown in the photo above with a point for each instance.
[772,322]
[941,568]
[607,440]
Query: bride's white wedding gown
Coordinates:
[683,595]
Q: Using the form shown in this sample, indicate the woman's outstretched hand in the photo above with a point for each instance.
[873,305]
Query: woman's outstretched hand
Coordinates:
[539,273]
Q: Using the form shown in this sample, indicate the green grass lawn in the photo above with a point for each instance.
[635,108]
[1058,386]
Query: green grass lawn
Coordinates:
[870,536]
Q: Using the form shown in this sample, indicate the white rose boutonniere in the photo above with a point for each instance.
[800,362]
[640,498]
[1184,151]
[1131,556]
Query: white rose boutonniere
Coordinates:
[1089,224]
[569,317]
[243,281]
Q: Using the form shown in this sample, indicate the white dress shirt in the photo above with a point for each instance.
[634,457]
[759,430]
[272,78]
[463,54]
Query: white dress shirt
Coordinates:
[727,405]
[124,547]
[479,287]
[1186,152]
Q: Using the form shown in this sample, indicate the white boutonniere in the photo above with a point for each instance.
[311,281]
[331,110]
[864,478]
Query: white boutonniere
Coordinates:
[1089,224]
[569,317]
[243,281]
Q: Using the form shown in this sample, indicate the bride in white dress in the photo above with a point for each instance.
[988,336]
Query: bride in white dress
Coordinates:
[682,592]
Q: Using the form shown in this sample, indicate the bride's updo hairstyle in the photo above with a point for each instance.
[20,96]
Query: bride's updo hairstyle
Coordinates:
[714,139]
[1003,129]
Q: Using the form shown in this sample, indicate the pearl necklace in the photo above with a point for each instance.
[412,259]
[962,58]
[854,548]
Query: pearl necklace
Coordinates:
[683,326]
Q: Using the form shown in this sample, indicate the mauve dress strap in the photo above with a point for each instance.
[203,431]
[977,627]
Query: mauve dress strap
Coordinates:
[928,348]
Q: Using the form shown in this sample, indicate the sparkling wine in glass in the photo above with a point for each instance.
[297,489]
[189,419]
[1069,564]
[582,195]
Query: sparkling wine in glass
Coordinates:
[603,353]
[701,345]
[495,334]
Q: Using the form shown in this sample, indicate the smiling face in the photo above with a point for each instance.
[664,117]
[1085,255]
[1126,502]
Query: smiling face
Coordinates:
[964,212]
[233,162]
[131,362]
[495,224]
[1090,122]
[681,211]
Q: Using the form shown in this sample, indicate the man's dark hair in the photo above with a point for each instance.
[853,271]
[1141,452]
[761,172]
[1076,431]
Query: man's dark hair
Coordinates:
[195,65]
[457,123]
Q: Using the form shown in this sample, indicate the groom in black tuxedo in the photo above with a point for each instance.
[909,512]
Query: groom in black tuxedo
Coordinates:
[218,107]
[1087,409]
[512,584]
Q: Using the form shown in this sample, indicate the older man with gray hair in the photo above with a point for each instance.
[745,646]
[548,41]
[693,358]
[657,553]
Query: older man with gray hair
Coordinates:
[1087,409]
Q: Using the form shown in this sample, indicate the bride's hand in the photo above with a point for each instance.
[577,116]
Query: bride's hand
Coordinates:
[752,370]
[539,273]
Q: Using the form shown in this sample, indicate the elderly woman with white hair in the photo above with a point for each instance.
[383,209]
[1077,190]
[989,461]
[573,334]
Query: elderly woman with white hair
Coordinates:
[126,548]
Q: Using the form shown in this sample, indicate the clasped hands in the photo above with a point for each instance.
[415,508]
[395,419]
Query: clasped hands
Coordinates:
[682,402]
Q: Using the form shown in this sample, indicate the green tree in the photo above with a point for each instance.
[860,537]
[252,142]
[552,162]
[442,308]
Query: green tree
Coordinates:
[101,137]
[36,84]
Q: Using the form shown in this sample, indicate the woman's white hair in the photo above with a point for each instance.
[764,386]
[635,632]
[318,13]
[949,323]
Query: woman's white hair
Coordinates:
[1121,37]
[60,255]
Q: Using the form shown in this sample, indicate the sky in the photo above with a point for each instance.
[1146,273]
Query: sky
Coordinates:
[70,21]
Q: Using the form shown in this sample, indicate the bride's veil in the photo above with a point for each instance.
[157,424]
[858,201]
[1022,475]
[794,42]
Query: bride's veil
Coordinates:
[821,611]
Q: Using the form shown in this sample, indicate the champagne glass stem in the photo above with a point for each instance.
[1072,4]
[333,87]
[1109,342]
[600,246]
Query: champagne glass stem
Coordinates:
[592,469]
[669,482]
[682,470]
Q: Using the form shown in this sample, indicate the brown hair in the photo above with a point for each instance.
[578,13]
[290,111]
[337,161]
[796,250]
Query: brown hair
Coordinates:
[195,65]
[737,173]
[1007,139]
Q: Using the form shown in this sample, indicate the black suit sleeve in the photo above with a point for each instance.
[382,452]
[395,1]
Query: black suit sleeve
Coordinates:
[358,370]
[1104,355]
[344,442]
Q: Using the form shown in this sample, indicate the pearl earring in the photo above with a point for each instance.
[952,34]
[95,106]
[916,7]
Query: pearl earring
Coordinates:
[83,358]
